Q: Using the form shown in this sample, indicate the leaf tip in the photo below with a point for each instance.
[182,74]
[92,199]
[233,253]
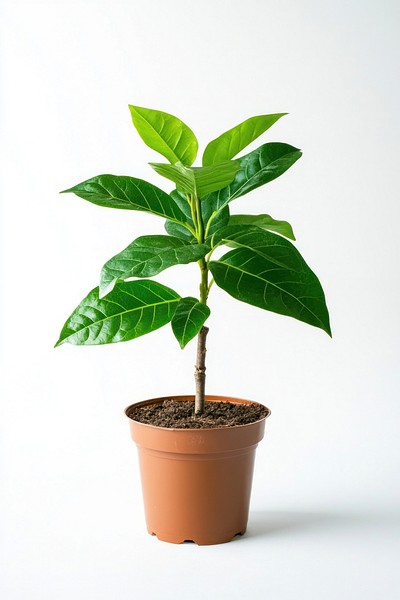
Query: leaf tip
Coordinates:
[327,328]
[135,110]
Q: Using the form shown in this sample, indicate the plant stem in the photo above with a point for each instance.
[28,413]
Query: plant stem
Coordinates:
[200,371]
[203,281]
[200,368]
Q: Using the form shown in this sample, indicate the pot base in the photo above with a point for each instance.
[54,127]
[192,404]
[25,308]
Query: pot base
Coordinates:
[201,540]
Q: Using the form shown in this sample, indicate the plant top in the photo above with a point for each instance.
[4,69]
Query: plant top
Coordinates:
[261,267]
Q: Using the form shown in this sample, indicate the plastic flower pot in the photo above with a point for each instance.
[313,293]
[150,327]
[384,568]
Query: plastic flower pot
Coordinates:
[196,483]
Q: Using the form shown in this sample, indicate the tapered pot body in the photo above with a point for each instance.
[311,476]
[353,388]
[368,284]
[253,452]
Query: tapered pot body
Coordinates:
[196,483]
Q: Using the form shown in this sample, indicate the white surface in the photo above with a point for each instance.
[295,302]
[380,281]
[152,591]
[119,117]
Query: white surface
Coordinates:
[326,492]
[284,555]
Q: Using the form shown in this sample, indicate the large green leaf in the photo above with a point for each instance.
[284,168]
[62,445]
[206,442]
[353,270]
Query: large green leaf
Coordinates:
[132,309]
[265,222]
[166,134]
[267,271]
[189,318]
[199,181]
[119,191]
[147,256]
[256,168]
[230,143]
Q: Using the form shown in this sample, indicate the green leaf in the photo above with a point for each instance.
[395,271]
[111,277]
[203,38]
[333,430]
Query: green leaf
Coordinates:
[230,143]
[182,201]
[165,134]
[119,191]
[256,168]
[189,318]
[179,174]
[179,231]
[265,222]
[147,256]
[213,178]
[198,181]
[132,309]
[267,271]
[175,229]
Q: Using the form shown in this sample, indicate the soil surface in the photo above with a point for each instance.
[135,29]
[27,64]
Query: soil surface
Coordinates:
[179,414]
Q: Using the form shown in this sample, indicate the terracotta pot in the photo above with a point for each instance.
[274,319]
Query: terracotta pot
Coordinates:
[196,483]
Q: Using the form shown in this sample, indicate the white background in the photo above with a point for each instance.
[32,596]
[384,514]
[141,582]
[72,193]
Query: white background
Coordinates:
[324,521]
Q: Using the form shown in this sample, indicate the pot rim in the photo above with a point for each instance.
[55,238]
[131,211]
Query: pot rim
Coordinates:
[211,397]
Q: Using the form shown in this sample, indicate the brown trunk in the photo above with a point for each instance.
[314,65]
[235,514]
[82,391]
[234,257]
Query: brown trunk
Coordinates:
[200,371]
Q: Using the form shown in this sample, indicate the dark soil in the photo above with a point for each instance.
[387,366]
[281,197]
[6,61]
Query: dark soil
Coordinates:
[179,414]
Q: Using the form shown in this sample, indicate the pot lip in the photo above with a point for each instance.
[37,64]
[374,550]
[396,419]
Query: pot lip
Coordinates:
[215,398]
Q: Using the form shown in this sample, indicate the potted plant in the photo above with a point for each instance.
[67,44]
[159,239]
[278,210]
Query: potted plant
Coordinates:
[196,452]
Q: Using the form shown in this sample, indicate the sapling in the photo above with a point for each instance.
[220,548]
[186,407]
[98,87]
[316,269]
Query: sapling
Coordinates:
[262,267]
